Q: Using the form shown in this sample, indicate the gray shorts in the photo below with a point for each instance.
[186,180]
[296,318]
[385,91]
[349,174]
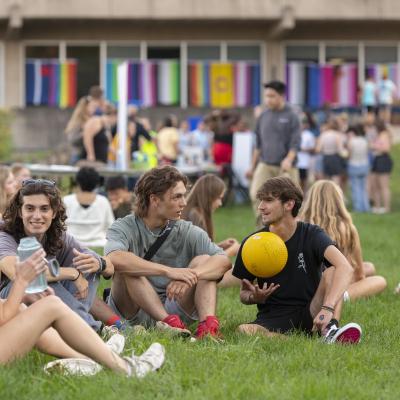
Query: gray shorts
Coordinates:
[142,318]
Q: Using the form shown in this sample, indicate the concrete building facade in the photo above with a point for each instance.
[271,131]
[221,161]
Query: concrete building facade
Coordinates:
[270,32]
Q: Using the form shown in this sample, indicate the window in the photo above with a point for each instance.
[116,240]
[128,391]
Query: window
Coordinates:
[244,53]
[341,54]
[204,53]
[163,53]
[302,53]
[124,52]
[380,54]
[88,73]
[41,52]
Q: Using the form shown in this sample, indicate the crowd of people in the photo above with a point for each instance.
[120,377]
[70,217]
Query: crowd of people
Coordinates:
[158,241]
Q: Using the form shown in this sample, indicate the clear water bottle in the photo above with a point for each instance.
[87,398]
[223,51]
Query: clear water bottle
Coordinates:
[27,246]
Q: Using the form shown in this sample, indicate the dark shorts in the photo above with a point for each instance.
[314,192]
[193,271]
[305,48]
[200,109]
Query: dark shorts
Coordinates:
[382,164]
[303,173]
[333,165]
[286,319]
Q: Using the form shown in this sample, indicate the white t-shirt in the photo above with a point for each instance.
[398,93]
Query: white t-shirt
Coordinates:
[386,91]
[307,143]
[89,225]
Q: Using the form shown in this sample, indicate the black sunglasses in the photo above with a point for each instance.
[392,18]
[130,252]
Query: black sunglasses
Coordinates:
[44,182]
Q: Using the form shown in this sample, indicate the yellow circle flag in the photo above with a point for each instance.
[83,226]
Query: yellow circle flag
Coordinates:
[264,254]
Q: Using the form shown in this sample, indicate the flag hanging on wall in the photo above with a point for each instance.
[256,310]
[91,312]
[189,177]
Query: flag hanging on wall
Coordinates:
[50,82]
[224,85]
[150,83]
[313,85]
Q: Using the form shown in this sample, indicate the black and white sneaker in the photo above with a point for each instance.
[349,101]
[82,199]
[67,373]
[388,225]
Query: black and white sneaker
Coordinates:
[348,334]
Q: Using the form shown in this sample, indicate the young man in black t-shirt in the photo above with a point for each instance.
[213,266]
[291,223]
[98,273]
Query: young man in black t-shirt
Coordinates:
[306,295]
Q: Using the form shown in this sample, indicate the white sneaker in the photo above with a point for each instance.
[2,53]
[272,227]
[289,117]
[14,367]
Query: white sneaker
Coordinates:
[348,334]
[73,366]
[151,360]
[116,343]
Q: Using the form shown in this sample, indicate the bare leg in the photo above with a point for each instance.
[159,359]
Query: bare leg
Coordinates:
[385,191]
[101,311]
[254,329]
[229,280]
[319,297]
[374,190]
[19,335]
[367,287]
[203,297]
[141,295]
[51,343]
[369,268]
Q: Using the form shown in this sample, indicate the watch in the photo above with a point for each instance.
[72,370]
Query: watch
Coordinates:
[103,265]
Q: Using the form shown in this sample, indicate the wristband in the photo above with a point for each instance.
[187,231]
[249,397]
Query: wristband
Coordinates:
[327,308]
[79,274]
[102,265]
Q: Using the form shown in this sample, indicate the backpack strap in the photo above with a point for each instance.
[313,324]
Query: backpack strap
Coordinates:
[159,241]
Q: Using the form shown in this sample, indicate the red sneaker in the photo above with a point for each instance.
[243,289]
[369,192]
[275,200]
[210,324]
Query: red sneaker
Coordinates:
[173,324]
[208,327]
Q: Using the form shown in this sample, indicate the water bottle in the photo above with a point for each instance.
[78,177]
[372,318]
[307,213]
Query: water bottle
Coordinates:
[27,246]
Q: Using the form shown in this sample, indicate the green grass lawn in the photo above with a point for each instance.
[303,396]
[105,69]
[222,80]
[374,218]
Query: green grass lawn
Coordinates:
[256,368]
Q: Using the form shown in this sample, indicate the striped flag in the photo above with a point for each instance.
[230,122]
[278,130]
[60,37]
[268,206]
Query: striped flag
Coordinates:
[51,83]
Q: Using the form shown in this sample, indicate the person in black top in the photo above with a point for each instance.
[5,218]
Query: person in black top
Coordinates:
[306,295]
[97,135]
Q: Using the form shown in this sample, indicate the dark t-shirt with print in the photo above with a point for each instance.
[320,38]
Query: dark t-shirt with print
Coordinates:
[301,275]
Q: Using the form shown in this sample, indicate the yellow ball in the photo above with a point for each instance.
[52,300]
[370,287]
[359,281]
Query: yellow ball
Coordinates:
[264,254]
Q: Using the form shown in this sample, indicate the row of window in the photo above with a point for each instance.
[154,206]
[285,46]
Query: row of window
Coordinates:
[346,54]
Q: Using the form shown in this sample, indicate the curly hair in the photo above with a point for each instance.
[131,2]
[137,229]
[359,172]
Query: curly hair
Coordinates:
[157,181]
[13,224]
[324,206]
[201,197]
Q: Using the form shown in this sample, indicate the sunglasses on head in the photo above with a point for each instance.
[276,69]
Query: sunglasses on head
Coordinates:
[44,182]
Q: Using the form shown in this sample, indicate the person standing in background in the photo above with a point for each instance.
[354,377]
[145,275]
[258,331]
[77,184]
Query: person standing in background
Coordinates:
[386,93]
[369,95]
[278,136]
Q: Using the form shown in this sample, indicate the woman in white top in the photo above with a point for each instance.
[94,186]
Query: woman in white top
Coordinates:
[307,146]
[330,144]
[89,214]
[358,167]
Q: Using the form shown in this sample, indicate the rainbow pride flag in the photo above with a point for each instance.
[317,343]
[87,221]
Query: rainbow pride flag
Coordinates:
[50,83]
[224,84]
[150,83]
[313,85]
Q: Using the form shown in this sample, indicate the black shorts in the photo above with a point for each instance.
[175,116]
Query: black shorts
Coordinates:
[382,164]
[333,165]
[286,319]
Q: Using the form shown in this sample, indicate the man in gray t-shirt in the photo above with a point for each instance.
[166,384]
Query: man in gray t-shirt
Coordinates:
[179,284]
[278,137]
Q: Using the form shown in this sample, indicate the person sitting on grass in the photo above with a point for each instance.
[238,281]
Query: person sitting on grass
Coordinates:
[37,210]
[307,294]
[178,285]
[8,187]
[89,214]
[204,198]
[325,207]
[119,196]
[53,328]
